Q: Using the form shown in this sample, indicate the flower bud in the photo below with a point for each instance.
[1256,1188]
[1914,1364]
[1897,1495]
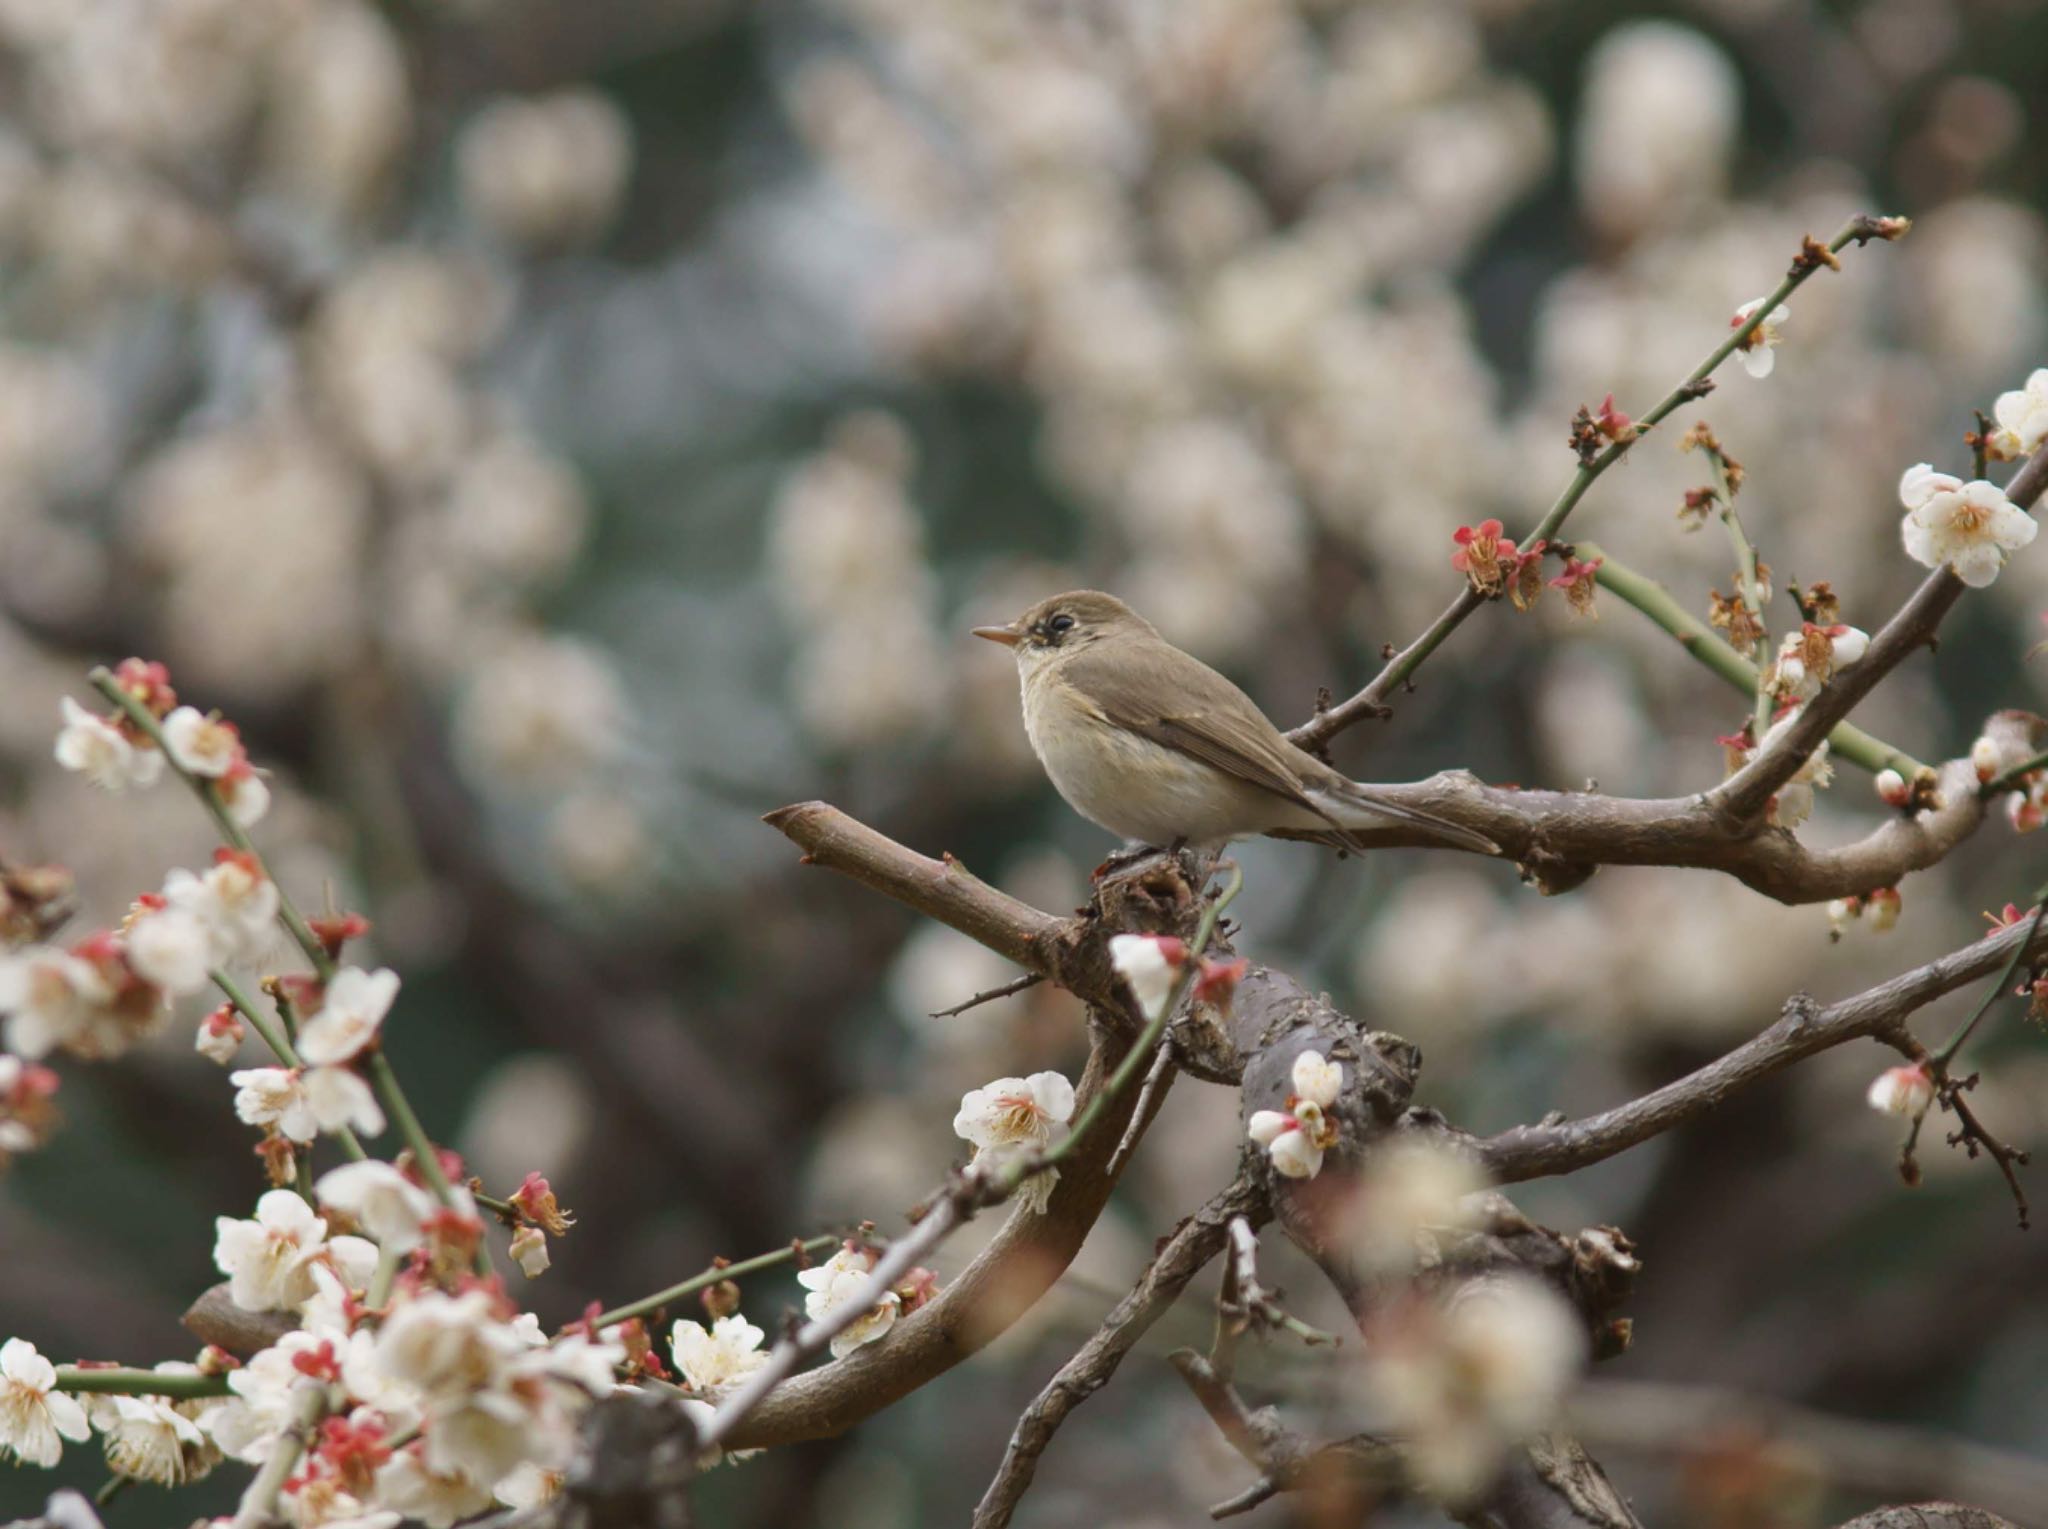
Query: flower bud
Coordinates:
[1902,1091]
[1892,789]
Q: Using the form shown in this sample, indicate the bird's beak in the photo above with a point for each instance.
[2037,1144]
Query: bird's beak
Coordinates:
[1008,636]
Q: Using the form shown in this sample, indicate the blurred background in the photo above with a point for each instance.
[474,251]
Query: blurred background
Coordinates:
[558,433]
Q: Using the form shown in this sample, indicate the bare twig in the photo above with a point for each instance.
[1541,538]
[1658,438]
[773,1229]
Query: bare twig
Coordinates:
[1155,1079]
[1007,990]
[1180,1258]
[1528,1152]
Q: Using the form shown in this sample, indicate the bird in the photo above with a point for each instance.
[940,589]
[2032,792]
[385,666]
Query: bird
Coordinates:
[1154,745]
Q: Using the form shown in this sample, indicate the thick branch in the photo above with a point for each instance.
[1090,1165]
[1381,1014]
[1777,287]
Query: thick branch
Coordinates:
[1560,836]
[1529,1152]
[942,889]
[1191,1247]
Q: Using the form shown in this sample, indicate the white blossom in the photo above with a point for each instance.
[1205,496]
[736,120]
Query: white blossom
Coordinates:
[1317,1079]
[152,1438]
[1756,352]
[200,745]
[234,900]
[51,998]
[1902,1091]
[1411,1188]
[529,1250]
[2022,417]
[437,1499]
[1971,527]
[1150,964]
[97,749]
[1296,1138]
[712,1360]
[835,1282]
[349,1016]
[260,1406]
[529,1486]
[1463,1383]
[548,171]
[379,1199]
[246,797]
[272,1096]
[1012,1117]
[34,1415]
[265,1258]
[172,948]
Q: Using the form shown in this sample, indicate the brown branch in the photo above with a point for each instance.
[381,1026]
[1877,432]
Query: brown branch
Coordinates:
[1190,1249]
[940,889]
[1804,1028]
[1008,989]
[1561,837]
[1931,1515]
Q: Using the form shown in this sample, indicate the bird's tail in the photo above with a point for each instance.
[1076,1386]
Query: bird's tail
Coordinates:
[1363,807]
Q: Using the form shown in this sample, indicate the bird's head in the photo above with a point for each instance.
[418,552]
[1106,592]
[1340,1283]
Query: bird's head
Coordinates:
[1066,624]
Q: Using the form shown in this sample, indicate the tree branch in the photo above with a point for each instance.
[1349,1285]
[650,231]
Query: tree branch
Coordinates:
[1804,1028]
[1191,1247]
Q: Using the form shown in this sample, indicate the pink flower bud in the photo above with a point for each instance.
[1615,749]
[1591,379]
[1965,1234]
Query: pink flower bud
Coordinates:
[1903,1091]
[1892,789]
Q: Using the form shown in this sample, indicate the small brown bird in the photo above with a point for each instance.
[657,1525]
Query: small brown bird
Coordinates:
[1157,747]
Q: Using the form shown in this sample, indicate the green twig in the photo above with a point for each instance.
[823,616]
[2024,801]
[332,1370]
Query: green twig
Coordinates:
[81,1380]
[646,1305]
[281,1048]
[1697,638]
[385,1081]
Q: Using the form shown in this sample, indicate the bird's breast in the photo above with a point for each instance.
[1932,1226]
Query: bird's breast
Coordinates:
[1130,785]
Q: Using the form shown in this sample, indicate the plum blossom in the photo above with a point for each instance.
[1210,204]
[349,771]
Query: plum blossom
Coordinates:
[201,745]
[713,1360]
[350,1015]
[265,1258]
[1296,1138]
[1011,1118]
[171,948]
[51,998]
[1755,351]
[301,1103]
[1906,1090]
[26,1115]
[1465,1381]
[244,794]
[840,1279]
[529,1250]
[260,1405]
[1411,1187]
[234,900]
[154,1439]
[2022,417]
[101,752]
[34,1415]
[1150,965]
[219,1036]
[381,1200]
[435,1498]
[1970,527]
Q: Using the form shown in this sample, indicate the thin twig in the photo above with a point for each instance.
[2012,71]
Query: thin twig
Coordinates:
[1371,701]
[647,1305]
[1180,1258]
[1528,1152]
[1155,1078]
[1007,990]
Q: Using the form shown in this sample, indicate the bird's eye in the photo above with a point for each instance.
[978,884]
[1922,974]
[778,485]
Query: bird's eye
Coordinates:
[1057,625]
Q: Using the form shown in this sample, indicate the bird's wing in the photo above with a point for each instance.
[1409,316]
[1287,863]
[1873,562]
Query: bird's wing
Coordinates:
[1208,718]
